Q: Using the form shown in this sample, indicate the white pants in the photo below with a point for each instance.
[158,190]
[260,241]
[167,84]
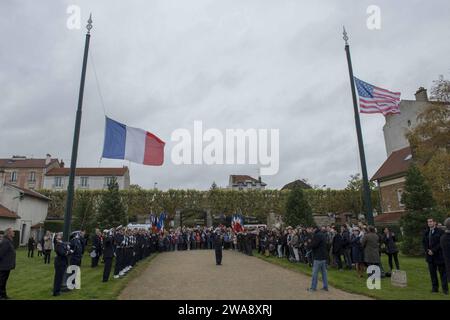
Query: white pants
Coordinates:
[297,257]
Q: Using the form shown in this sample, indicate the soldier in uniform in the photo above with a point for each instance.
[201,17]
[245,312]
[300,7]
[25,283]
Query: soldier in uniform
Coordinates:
[96,248]
[108,253]
[61,261]
[119,251]
[218,243]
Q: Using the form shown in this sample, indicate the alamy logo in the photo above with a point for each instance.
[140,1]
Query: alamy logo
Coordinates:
[236,146]
[74,279]
[374,279]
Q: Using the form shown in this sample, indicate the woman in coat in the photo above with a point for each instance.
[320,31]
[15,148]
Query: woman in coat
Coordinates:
[47,246]
[357,251]
[390,247]
[371,245]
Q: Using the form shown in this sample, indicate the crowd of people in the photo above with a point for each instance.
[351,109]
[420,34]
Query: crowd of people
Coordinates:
[345,247]
[355,247]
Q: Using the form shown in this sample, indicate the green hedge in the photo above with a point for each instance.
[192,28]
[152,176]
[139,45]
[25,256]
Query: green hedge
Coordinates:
[256,203]
[54,225]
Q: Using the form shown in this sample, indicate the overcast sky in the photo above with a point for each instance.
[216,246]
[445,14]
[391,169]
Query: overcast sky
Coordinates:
[161,64]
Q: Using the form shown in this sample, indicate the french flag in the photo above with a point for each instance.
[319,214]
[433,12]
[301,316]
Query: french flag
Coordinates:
[133,144]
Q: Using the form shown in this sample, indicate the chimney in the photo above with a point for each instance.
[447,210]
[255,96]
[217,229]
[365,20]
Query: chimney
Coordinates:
[421,94]
[2,178]
[61,163]
[48,159]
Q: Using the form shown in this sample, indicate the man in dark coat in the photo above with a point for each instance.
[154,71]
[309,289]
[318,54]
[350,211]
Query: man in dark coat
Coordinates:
[218,243]
[96,248]
[77,249]
[434,256]
[7,260]
[445,245]
[108,254]
[337,248]
[61,262]
[318,245]
[31,246]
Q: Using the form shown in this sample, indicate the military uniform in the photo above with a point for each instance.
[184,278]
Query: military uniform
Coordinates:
[61,262]
[218,243]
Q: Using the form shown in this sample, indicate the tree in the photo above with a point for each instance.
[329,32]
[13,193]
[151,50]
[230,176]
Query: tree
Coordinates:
[84,212]
[298,210]
[355,190]
[419,205]
[112,211]
[430,144]
[441,90]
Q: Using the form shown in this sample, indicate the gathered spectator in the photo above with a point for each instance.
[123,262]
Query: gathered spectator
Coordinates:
[318,245]
[434,256]
[7,260]
[337,247]
[445,245]
[390,248]
[31,246]
[47,246]
[346,246]
[39,249]
[357,251]
[370,242]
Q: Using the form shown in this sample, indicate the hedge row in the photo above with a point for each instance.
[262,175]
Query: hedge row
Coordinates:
[256,203]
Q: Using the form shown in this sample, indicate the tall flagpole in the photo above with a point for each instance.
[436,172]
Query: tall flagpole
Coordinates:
[76,136]
[366,188]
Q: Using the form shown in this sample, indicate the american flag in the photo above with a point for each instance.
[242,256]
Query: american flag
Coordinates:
[373,99]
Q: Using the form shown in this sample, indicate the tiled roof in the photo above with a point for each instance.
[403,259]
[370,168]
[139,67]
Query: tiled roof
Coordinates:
[296,183]
[29,192]
[12,163]
[88,171]
[6,213]
[396,164]
[236,179]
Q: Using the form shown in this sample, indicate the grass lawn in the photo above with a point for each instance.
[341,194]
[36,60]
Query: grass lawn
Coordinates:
[419,283]
[33,280]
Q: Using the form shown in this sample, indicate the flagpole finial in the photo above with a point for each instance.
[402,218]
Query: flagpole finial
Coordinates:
[89,25]
[345,37]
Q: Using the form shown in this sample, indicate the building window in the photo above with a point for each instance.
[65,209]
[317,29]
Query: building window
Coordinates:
[399,197]
[13,176]
[58,182]
[32,176]
[108,180]
[84,182]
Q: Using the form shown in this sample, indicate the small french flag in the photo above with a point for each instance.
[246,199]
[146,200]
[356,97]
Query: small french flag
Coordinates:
[133,144]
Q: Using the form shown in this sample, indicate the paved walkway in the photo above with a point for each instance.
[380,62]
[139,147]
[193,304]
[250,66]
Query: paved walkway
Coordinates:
[194,275]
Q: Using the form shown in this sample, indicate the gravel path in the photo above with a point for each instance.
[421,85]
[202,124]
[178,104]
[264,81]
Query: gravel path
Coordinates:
[194,275]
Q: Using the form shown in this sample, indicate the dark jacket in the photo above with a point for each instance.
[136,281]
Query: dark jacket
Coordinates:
[7,255]
[77,248]
[218,242]
[371,245]
[338,244]
[61,250]
[445,246]
[346,243]
[389,243]
[97,245]
[108,248]
[433,244]
[318,245]
[31,243]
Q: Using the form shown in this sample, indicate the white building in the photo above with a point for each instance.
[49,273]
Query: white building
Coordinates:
[87,178]
[244,182]
[21,209]
[397,125]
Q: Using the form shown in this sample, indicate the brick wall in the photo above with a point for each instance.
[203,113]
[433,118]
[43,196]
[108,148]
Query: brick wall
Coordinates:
[389,197]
